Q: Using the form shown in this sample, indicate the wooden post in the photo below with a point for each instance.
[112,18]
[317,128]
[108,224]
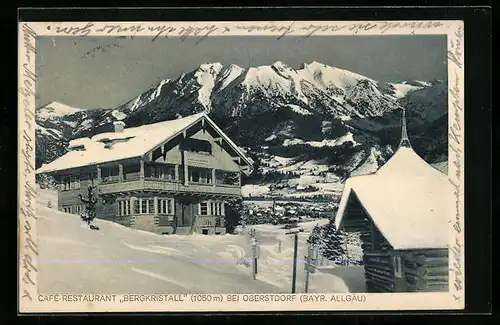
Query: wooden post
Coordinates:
[142,169]
[186,170]
[120,172]
[294,261]
[213,176]
[295,244]
[310,264]
[176,172]
[254,257]
[99,177]
[307,274]
[132,206]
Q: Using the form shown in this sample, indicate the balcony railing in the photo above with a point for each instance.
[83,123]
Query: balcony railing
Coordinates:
[167,186]
[210,221]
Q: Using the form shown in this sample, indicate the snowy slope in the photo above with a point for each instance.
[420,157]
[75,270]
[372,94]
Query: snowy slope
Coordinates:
[327,77]
[55,110]
[402,89]
[116,259]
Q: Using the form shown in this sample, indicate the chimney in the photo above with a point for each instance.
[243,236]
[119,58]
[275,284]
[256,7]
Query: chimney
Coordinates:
[119,126]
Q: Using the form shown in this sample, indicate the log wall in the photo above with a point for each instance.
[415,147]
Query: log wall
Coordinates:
[422,270]
[425,270]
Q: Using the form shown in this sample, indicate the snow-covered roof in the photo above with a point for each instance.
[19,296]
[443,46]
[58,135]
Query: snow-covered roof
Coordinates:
[409,201]
[139,141]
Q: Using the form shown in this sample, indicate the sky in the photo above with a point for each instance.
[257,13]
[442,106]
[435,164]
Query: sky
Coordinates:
[106,72]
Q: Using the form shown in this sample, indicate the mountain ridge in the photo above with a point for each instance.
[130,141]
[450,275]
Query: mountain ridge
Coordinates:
[273,110]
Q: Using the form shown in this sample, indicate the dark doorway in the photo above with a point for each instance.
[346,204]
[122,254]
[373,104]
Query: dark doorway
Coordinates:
[184,214]
[187,212]
[204,231]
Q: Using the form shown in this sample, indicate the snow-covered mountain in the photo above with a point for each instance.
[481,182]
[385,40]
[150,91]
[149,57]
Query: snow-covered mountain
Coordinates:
[57,123]
[54,110]
[317,115]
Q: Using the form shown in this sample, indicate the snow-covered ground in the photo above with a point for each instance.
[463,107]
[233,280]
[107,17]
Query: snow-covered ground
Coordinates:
[348,137]
[276,266]
[254,190]
[116,259]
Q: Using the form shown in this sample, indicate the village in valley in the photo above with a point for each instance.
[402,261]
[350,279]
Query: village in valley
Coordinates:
[266,179]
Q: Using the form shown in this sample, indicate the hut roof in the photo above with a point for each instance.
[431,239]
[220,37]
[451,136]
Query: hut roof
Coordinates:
[409,201]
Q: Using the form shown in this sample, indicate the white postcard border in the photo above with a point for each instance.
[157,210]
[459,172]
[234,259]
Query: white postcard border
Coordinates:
[30,301]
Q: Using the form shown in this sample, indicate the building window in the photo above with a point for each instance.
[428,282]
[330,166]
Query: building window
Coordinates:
[79,209]
[131,172]
[203,208]
[66,182]
[151,206]
[227,178]
[214,208]
[217,208]
[398,272]
[195,176]
[196,145]
[75,182]
[165,172]
[165,206]
[110,174]
[200,175]
[67,209]
[144,206]
[124,207]
[127,207]
[136,206]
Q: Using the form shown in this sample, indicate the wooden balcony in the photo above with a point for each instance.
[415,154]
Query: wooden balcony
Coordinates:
[151,184]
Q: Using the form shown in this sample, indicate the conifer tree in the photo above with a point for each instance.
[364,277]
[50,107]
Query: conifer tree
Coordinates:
[234,211]
[316,239]
[90,202]
[334,246]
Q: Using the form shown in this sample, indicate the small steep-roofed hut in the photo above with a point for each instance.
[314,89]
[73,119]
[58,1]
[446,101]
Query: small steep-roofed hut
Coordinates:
[402,213]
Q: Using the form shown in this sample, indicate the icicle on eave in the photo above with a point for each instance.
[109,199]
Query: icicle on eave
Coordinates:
[405,140]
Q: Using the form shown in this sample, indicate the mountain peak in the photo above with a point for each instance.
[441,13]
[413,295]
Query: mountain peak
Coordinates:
[312,64]
[58,105]
[213,68]
[280,64]
[60,109]
[55,110]
[233,66]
